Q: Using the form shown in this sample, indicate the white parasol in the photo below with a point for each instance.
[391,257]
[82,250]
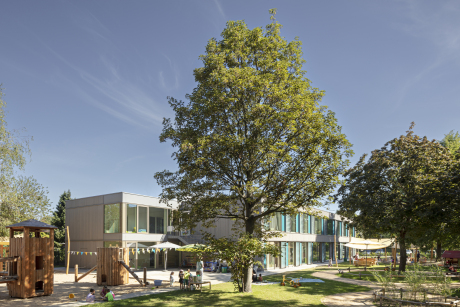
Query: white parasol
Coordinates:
[165,246]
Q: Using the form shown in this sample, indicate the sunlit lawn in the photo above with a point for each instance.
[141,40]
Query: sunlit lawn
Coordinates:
[309,294]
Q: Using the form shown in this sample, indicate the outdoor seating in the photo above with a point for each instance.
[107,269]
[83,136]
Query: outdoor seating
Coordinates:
[365,262]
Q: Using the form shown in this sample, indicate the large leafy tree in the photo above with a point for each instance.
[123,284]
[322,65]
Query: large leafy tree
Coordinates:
[253,138]
[396,190]
[21,197]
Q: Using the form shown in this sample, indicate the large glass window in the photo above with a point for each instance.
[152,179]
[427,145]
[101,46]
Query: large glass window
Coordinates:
[288,223]
[142,219]
[294,223]
[318,226]
[131,218]
[291,253]
[275,222]
[283,255]
[112,218]
[156,220]
[330,227]
[305,224]
[145,259]
[327,251]
[316,251]
[304,256]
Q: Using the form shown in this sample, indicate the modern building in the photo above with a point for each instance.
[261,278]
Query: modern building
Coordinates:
[139,222]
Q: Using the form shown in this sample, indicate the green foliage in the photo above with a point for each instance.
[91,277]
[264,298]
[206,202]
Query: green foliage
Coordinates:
[399,190]
[441,284]
[241,254]
[384,279]
[252,139]
[415,279]
[58,220]
[21,197]
[451,141]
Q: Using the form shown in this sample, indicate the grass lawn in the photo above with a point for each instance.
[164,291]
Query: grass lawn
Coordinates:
[309,294]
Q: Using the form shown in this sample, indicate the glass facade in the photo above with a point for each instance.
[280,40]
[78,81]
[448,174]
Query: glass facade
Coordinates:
[294,223]
[316,251]
[304,252]
[143,219]
[157,218]
[327,251]
[330,227]
[131,218]
[275,222]
[291,254]
[112,218]
[318,226]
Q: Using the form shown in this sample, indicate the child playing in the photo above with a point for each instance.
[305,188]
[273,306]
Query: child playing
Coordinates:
[260,277]
[91,297]
[186,277]
[109,296]
[104,292]
[171,279]
[181,279]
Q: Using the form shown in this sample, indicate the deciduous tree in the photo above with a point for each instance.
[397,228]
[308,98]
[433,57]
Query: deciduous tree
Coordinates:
[21,197]
[253,138]
[395,191]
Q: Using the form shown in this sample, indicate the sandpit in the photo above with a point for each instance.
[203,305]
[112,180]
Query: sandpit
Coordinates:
[64,285]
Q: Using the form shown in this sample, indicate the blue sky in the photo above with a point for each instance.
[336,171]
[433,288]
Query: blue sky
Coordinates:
[89,79]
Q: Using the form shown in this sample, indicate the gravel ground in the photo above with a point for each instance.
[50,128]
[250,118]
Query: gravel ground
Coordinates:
[64,285]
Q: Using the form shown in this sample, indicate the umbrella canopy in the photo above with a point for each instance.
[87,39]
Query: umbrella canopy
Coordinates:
[368,244]
[167,245]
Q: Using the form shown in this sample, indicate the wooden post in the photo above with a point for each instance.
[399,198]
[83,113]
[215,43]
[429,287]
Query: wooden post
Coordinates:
[335,252]
[145,276]
[415,256]
[76,272]
[68,251]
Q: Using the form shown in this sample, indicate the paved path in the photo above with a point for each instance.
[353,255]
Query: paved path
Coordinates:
[351,298]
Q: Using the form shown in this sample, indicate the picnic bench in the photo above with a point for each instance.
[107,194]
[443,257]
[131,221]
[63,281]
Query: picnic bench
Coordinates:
[365,262]
[200,284]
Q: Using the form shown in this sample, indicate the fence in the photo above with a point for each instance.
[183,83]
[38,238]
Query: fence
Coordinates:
[401,297]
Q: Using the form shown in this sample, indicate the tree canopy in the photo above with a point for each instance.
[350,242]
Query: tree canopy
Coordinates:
[252,139]
[397,189]
[21,197]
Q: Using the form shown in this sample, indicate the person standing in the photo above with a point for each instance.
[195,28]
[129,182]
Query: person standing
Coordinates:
[181,279]
[200,267]
[171,279]
[186,279]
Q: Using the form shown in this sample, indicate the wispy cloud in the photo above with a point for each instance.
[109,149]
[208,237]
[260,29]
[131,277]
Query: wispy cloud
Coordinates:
[220,9]
[121,98]
[437,25]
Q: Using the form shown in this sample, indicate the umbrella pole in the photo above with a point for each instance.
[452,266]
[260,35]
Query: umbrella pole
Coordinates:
[166,258]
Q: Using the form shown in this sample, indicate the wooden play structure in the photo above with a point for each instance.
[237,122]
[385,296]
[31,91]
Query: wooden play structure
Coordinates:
[112,268]
[31,260]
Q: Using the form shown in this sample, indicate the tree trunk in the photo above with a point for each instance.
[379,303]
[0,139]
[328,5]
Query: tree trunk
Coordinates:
[402,251]
[247,278]
[438,250]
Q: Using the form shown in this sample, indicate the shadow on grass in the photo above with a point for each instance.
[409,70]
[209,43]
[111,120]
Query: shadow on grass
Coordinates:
[309,294]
